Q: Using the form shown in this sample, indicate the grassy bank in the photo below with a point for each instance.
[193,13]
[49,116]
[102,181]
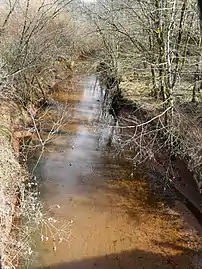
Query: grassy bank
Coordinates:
[19,208]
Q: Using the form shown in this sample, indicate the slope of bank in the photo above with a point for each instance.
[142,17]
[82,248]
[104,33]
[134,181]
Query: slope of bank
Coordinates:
[174,172]
[20,211]
[11,178]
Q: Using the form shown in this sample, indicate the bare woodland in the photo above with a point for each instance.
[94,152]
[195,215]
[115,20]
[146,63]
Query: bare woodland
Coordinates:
[150,56]
[154,50]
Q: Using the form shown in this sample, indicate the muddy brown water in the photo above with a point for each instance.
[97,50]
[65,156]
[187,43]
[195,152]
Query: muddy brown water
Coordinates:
[97,216]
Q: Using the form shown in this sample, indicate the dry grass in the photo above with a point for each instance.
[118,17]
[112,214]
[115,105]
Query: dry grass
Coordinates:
[21,213]
[185,129]
[11,178]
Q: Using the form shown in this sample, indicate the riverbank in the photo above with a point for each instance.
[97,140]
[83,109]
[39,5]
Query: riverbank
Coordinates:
[20,211]
[170,172]
[168,153]
[12,178]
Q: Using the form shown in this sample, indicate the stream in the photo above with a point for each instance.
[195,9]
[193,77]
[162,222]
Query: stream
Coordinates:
[102,217]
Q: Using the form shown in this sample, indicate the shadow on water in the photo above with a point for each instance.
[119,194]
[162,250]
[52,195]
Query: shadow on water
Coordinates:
[136,259]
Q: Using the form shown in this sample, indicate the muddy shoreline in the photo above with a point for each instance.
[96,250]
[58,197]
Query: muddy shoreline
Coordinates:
[179,184]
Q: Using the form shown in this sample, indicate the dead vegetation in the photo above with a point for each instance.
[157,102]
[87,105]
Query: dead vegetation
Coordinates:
[182,139]
[39,45]
[151,48]
[21,211]
[16,203]
[36,55]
